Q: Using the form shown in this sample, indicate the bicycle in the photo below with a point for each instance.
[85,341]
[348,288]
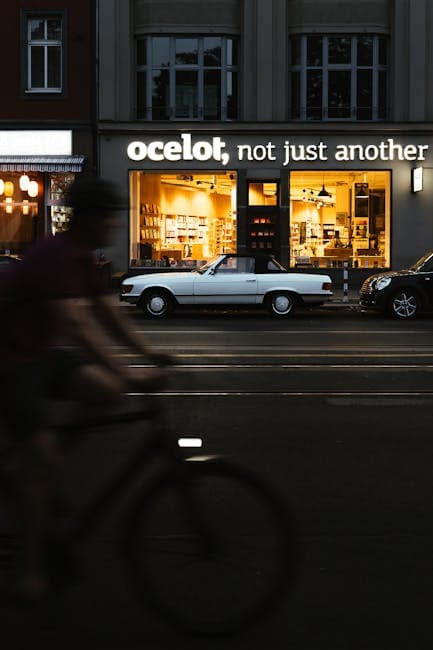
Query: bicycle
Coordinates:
[207,544]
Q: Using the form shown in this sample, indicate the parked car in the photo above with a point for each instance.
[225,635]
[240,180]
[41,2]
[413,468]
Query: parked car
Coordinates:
[229,279]
[6,261]
[402,294]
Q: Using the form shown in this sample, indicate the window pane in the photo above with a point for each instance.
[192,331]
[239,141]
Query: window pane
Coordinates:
[212,95]
[54,67]
[383,51]
[314,50]
[365,50]
[186,51]
[54,29]
[296,96]
[212,51]
[339,49]
[339,94]
[160,51]
[37,67]
[314,95]
[160,95]
[142,51]
[232,52]
[295,50]
[187,94]
[232,95]
[37,29]
[383,108]
[141,95]
[364,95]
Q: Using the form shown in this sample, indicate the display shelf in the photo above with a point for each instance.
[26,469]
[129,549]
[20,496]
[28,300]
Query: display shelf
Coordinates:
[262,232]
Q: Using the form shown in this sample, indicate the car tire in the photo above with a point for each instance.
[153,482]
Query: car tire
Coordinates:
[404,304]
[281,304]
[157,303]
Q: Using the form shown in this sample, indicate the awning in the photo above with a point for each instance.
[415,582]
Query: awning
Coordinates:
[41,163]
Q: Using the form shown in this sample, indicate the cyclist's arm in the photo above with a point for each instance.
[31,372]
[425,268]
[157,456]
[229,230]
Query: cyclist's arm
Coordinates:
[74,318]
[120,327]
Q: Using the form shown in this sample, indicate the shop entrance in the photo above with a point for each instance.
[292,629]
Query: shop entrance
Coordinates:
[181,219]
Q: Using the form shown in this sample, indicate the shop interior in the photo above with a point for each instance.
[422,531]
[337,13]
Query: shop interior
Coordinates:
[181,219]
[18,209]
[340,216]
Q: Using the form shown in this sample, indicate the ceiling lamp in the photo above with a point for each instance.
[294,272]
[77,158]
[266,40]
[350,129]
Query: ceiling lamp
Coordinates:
[2,186]
[323,192]
[24,182]
[9,188]
[33,189]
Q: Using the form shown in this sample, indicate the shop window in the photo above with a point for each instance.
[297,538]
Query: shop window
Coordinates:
[59,215]
[340,216]
[338,77]
[187,78]
[263,217]
[19,196]
[181,220]
[44,64]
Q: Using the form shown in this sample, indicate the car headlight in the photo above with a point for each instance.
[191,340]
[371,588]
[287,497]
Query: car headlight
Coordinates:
[382,283]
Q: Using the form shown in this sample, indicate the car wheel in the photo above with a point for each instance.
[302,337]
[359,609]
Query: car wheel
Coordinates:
[157,304]
[281,304]
[404,304]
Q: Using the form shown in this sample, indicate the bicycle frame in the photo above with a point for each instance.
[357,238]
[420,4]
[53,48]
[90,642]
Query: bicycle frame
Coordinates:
[159,441]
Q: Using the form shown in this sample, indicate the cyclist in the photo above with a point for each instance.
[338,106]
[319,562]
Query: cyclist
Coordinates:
[56,329]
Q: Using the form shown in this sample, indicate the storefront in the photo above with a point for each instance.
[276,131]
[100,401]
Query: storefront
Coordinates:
[314,200]
[36,168]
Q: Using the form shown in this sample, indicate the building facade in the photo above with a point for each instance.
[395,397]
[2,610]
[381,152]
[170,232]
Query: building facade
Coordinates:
[294,127]
[47,114]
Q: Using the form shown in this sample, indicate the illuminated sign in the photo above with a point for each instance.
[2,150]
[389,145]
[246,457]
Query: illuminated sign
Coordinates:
[282,151]
[35,143]
[417,179]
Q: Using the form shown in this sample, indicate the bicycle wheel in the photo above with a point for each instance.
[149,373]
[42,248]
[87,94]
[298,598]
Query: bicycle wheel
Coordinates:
[211,548]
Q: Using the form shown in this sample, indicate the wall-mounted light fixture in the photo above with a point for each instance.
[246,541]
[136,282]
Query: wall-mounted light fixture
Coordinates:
[417,179]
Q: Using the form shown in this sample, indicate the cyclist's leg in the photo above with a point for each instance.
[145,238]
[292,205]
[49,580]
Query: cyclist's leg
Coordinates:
[33,468]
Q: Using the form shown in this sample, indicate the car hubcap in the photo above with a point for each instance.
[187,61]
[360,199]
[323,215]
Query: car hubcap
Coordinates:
[282,304]
[405,305]
[156,304]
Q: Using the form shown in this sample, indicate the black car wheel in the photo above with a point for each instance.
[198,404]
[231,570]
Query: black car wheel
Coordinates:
[157,303]
[281,304]
[404,304]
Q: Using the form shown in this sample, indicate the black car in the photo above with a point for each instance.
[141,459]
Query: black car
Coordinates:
[402,294]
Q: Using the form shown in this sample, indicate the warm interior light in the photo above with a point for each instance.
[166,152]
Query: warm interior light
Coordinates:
[33,189]
[2,186]
[8,205]
[25,206]
[24,182]
[9,188]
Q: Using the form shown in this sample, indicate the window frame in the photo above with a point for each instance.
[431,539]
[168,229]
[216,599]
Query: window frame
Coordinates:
[26,44]
[173,68]
[302,69]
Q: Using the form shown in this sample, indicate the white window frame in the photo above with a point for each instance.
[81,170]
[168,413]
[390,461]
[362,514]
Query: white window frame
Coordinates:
[45,43]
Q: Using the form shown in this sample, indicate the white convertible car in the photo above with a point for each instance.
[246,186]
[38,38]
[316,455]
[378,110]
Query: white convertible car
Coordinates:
[230,279]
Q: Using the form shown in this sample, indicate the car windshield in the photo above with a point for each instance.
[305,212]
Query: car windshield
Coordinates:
[205,267]
[425,263]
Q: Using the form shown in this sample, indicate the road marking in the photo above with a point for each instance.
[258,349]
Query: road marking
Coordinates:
[205,332]
[327,394]
[292,366]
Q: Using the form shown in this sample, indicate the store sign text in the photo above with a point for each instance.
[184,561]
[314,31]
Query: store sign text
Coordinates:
[216,149]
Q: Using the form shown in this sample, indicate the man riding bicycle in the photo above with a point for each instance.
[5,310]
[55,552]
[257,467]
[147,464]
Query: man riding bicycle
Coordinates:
[56,329]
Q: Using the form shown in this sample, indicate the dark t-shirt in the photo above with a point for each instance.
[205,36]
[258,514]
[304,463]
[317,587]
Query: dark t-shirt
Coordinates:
[53,269]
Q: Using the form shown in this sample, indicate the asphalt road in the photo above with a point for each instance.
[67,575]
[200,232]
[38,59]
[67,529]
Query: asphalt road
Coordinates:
[335,409]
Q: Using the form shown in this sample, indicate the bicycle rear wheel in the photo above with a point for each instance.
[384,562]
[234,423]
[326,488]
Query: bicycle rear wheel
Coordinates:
[211,549]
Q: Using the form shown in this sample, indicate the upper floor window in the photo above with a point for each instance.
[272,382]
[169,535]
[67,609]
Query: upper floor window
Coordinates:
[338,77]
[187,78]
[44,55]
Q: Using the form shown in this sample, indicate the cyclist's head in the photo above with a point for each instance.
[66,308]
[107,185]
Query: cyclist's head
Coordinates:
[95,203]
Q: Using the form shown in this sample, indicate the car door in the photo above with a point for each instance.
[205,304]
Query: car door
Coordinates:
[231,282]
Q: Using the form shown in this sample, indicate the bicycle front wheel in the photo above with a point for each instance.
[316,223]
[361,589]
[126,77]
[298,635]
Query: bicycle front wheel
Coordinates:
[211,548]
